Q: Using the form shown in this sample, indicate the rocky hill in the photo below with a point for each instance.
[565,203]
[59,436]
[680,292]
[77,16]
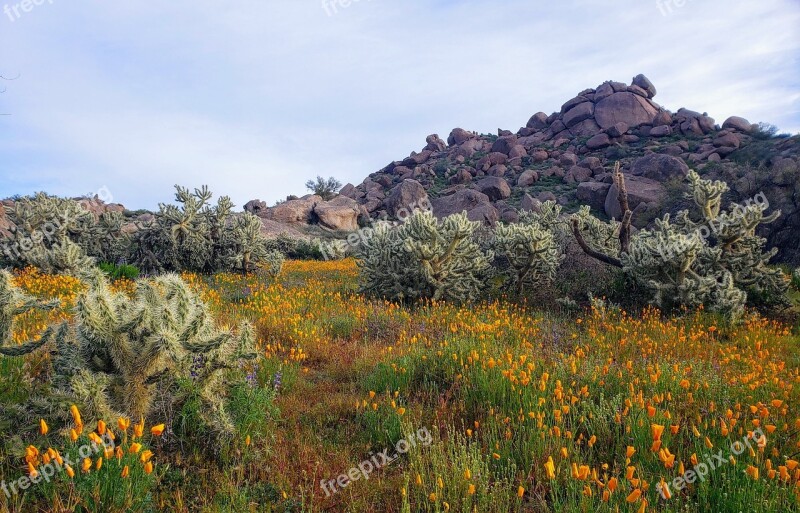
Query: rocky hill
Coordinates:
[566,156]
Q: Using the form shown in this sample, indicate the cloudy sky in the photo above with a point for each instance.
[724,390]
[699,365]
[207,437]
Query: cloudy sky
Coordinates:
[254,97]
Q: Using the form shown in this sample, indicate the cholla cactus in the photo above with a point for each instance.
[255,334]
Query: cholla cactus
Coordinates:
[272,263]
[51,233]
[121,350]
[530,252]
[796,279]
[13,303]
[715,260]
[424,258]
[196,236]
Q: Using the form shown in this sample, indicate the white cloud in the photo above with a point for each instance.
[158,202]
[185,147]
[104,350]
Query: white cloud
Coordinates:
[253,98]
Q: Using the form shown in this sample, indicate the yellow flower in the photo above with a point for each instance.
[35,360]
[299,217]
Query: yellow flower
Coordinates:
[123,424]
[550,468]
[629,452]
[73,435]
[76,415]
[87,464]
[125,472]
[471,489]
[401,411]
[70,472]
[43,429]
[138,429]
[148,467]
[634,495]
[101,428]
[135,448]
[145,456]
[157,430]
[520,491]
[98,464]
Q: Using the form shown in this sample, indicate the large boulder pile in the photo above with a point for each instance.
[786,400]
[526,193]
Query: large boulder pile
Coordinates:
[566,157]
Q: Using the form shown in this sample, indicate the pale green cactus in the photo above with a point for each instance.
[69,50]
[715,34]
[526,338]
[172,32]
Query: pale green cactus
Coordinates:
[122,351]
[196,236]
[57,235]
[424,258]
[717,260]
[529,252]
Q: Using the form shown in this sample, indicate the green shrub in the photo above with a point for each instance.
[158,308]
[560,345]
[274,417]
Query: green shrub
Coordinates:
[119,271]
[424,258]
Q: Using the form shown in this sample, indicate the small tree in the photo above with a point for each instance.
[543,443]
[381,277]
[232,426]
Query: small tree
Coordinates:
[325,188]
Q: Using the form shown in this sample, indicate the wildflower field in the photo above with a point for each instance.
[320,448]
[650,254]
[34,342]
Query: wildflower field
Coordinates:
[523,408]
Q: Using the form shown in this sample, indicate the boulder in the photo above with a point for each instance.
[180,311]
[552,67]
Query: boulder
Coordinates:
[578,113]
[577,174]
[640,190]
[517,152]
[476,204]
[494,187]
[618,129]
[273,229]
[435,143]
[459,136]
[598,141]
[540,156]
[529,203]
[727,139]
[461,176]
[538,121]
[624,107]
[527,178]
[644,83]
[407,196]
[737,123]
[586,128]
[504,144]
[350,191]
[661,131]
[660,167]
[340,213]
[593,194]
[255,207]
[662,118]
[294,211]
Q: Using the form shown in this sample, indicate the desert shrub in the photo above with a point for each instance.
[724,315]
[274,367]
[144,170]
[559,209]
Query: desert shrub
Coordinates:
[119,271]
[326,188]
[295,248]
[796,279]
[714,259]
[196,236]
[424,258]
[58,235]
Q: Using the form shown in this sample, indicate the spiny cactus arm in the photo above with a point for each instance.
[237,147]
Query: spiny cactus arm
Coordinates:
[608,259]
[27,347]
[208,345]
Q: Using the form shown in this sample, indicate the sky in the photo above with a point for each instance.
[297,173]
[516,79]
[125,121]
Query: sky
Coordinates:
[255,97]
